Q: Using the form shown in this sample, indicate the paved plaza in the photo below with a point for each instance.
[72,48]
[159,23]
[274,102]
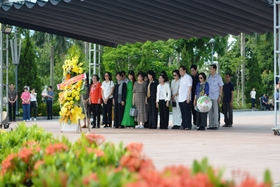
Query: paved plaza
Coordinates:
[249,145]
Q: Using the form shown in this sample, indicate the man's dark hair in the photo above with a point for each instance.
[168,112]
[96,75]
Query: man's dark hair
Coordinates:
[50,87]
[193,66]
[228,74]
[119,73]
[183,67]
[123,73]
[214,66]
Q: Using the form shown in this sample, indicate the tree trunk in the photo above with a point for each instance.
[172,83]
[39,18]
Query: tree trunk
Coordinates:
[242,52]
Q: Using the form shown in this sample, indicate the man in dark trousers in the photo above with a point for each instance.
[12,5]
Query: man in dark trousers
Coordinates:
[12,98]
[49,98]
[228,90]
[195,80]
[119,98]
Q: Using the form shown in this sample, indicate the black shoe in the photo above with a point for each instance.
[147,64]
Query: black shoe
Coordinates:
[210,128]
[201,129]
[215,128]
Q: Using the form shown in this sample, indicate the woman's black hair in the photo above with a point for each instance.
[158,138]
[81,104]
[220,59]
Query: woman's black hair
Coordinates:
[110,75]
[141,73]
[131,72]
[177,72]
[152,73]
[203,75]
[165,76]
[97,77]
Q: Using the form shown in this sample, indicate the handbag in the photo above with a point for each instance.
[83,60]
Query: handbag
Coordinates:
[133,112]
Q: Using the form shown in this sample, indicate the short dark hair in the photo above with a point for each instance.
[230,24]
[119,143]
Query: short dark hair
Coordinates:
[183,67]
[110,75]
[228,74]
[141,74]
[193,66]
[203,75]
[214,66]
[50,87]
[177,72]
[123,72]
[151,72]
[119,73]
[97,77]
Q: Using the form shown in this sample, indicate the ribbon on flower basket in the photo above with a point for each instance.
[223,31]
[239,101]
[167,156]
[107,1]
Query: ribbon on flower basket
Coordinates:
[71,81]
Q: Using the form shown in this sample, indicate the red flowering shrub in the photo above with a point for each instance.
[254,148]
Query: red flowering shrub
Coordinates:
[95,138]
[54,148]
[93,162]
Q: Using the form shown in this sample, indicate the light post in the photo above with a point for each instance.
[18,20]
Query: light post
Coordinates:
[15,49]
[3,31]
[212,43]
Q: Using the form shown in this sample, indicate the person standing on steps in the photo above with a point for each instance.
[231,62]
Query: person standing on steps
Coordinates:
[33,104]
[253,98]
[194,74]
[215,93]
[151,100]
[228,90]
[12,98]
[95,97]
[107,96]
[185,92]
[202,89]
[49,99]
[128,121]
[176,113]
[119,98]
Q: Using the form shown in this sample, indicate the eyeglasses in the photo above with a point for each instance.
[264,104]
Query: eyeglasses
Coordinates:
[200,77]
[106,75]
[174,75]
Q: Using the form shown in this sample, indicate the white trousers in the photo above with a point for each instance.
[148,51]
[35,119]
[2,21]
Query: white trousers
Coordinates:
[176,112]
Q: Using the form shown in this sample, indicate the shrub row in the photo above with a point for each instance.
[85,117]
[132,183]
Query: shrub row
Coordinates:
[32,157]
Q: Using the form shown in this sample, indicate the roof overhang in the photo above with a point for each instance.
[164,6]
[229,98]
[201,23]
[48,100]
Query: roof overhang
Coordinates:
[121,21]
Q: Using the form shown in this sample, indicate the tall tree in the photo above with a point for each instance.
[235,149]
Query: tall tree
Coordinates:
[27,69]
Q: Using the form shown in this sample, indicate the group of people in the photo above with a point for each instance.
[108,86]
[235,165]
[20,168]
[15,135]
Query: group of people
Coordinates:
[29,103]
[151,95]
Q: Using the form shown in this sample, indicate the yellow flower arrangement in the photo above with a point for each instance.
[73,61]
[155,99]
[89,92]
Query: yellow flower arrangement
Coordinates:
[71,111]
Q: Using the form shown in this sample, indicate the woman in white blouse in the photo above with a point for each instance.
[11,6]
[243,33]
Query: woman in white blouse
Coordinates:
[33,103]
[176,113]
[107,96]
[162,100]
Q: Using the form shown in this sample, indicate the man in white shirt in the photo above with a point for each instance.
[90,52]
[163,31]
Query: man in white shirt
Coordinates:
[184,100]
[253,97]
[215,93]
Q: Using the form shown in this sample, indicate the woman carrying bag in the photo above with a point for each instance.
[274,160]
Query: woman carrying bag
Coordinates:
[128,120]
[202,89]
